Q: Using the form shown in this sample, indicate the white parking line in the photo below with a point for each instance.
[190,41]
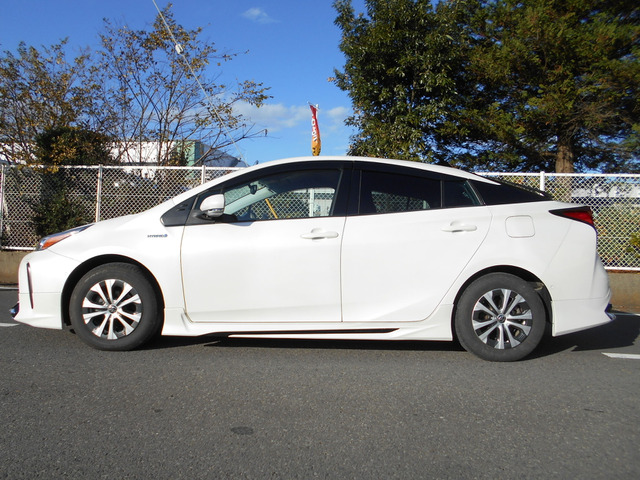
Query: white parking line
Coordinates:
[629,356]
[9,324]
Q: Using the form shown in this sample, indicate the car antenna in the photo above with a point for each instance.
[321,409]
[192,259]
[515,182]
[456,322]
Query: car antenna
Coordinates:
[180,51]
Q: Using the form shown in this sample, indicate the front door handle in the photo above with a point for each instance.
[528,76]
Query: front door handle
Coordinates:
[459,227]
[318,233]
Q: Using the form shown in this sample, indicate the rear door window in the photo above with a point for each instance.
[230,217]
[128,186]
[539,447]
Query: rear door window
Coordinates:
[458,194]
[384,192]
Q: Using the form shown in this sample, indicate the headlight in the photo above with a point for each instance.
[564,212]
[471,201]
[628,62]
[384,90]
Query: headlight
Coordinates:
[51,240]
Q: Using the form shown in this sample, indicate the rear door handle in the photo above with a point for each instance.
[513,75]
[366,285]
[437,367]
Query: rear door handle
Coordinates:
[459,227]
[318,233]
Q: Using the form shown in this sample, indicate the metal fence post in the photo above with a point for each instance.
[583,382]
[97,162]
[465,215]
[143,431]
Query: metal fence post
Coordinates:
[542,181]
[99,194]
[2,183]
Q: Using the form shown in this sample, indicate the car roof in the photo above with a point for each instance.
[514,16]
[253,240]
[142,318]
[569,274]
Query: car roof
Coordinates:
[343,158]
[401,163]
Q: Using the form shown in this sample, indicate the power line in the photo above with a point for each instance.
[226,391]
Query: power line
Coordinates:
[180,51]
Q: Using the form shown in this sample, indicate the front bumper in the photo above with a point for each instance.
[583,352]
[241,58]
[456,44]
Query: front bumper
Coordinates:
[41,277]
[46,312]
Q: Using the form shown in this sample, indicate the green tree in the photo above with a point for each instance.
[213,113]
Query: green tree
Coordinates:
[401,72]
[72,146]
[41,90]
[634,245]
[139,86]
[65,200]
[162,91]
[564,77]
[496,84]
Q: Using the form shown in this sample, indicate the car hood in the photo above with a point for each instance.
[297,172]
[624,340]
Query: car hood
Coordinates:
[121,235]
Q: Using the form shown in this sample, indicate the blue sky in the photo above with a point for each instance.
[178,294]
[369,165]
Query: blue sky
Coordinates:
[292,47]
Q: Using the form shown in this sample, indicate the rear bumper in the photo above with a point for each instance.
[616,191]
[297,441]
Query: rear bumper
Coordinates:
[612,316]
[575,315]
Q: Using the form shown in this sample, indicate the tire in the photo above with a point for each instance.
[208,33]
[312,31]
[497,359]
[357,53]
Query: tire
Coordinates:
[114,307]
[500,318]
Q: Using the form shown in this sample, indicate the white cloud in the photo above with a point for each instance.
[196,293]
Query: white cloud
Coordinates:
[273,117]
[258,15]
[337,116]
[276,116]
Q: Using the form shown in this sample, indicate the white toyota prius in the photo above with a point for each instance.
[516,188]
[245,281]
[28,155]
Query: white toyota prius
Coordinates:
[328,248]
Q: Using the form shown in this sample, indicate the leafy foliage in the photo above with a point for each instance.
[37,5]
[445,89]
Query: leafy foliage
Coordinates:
[160,77]
[634,245]
[617,227]
[41,90]
[138,87]
[401,73]
[72,146]
[57,210]
[495,84]
[62,203]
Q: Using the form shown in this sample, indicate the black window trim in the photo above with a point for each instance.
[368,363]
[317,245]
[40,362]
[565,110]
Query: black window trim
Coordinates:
[194,217]
[531,194]
[356,184]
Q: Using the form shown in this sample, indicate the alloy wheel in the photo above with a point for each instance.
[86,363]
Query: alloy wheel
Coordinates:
[112,309]
[502,319]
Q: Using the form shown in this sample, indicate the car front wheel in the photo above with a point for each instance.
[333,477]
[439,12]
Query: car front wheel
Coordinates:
[114,307]
[500,318]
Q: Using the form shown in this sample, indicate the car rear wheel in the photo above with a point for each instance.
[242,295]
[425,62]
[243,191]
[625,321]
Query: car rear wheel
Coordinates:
[500,318]
[115,307]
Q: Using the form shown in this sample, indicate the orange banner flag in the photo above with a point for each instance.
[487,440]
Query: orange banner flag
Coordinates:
[315,131]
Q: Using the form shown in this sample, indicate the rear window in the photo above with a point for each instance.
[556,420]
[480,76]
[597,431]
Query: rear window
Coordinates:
[505,192]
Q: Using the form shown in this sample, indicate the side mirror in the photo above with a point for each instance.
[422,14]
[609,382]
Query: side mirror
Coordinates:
[213,206]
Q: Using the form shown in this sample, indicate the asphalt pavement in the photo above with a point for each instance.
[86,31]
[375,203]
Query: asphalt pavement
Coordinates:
[256,409]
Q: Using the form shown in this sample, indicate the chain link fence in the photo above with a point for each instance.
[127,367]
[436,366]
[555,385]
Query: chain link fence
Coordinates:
[96,193]
[89,193]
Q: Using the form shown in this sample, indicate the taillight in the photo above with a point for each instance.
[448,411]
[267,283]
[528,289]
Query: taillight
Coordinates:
[580,214]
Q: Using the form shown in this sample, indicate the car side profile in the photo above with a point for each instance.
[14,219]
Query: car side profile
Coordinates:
[328,248]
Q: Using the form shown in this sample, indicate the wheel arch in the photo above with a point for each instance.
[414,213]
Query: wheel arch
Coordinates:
[92,263]
[537,284]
